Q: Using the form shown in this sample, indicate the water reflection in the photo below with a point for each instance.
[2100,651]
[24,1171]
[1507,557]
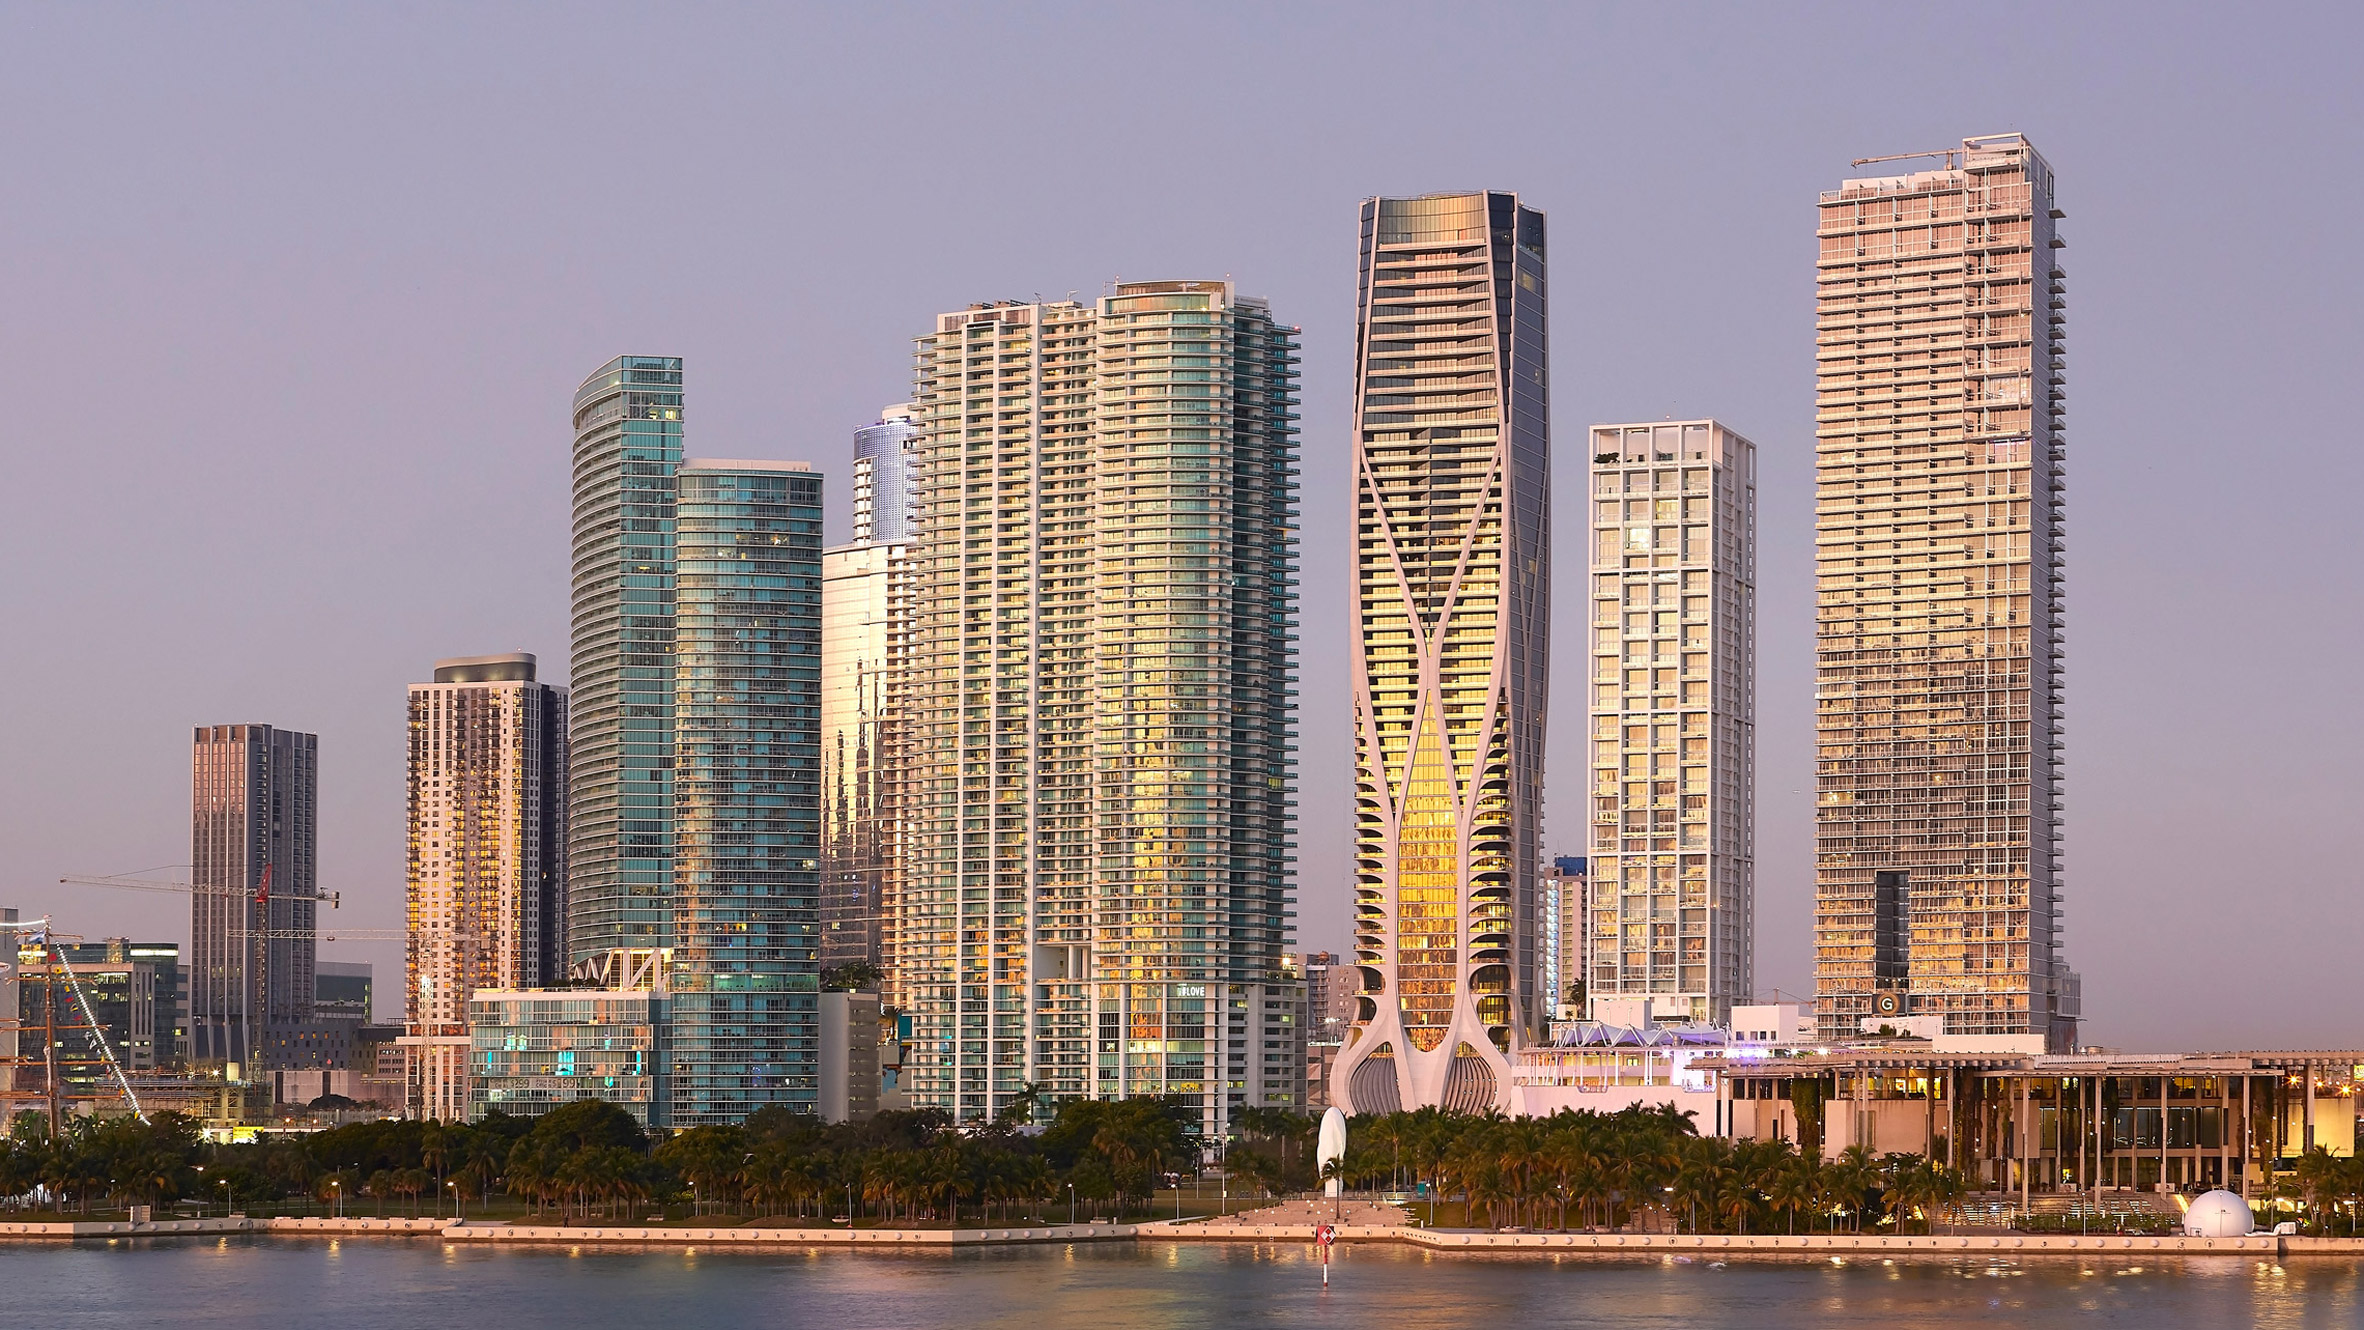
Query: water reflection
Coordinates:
[425,1281]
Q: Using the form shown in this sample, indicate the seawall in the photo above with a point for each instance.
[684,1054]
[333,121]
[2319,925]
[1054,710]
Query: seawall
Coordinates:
[2261,1246]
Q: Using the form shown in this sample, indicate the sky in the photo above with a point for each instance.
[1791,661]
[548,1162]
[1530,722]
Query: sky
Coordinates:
[296,299]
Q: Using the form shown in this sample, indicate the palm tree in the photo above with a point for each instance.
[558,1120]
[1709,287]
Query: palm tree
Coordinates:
[1736,1199]
[1790,1188]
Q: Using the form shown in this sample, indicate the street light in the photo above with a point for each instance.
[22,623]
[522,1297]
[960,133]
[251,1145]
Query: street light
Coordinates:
[455,1198]
[336,1196]
[1071,1205]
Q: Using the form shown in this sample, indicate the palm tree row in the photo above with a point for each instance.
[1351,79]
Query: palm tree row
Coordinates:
[590,1158]
[1639,1166]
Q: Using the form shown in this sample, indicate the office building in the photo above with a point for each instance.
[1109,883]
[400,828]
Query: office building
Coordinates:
[254,897]
[342,991]
[1939,488]
[866,620]
[1673,720]
[1452,605]
[694,761]
[486,899]
[167,1045]
[1100,671]
[121,1008]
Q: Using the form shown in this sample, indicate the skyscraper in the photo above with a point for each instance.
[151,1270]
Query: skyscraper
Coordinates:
[744,1010]
[1674,578]
[694,758]
[487,870]
[1562,905]
[619,858]
[1452,567]
[866,613]
[253,855]
[1938,515]
[1101,666]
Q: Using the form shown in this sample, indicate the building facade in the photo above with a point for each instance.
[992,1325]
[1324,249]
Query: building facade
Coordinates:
[534,1050]
[1939,448]
[866,619]
[254,897]
[1673,865]
[486,899]
[619,853]
[886,489]
[866,625]
[1331,986]
[694,748]
[1452,567]
[1102,652]
[1563,904]
[745,937]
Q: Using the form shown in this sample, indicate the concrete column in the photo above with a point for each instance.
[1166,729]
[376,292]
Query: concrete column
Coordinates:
[2306,1111]
[2024,1161]
[2243,1186]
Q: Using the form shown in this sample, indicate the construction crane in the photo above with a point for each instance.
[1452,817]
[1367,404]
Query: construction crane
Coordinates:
[254,942]
[36,935]
[133,883]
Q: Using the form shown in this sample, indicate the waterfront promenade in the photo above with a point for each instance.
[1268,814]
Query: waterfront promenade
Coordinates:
[1257,1227]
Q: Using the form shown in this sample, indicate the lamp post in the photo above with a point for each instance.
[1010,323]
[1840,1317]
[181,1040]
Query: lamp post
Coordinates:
[229,1197]
[336,1196]
[1071,1205]
[454,1188]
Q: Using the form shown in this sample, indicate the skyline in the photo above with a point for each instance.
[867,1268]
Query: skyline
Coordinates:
[2161,814]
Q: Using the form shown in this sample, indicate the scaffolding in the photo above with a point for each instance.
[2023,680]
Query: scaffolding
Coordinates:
[75,1057]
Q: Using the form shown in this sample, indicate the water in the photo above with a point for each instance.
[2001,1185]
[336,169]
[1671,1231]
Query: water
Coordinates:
[363,1285]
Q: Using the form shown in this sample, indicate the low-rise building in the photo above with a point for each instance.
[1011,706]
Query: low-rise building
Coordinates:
[531,1050]
[2025,1121]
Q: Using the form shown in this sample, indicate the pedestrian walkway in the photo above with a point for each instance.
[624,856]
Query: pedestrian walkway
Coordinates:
[1357,1213]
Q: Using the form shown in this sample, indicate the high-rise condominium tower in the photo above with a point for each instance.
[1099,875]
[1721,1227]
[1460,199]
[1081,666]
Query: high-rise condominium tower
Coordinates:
[1101,667]
[1452,569]
[1938,570]
[1561,905]
[886,499]
[866,614]
[487,879]
[255,896]
[1674,578]
[694,764]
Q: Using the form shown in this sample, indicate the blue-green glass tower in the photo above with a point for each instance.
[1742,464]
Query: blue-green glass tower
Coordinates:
[694,771]
[620,765]
[747,780]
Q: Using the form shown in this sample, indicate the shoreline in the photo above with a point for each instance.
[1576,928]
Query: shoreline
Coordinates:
[2261,1245]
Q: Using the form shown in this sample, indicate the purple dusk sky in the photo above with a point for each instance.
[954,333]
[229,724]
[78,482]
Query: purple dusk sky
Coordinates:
[295,299]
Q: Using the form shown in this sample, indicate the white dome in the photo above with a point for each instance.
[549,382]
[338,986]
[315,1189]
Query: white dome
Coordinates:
[2219,1214]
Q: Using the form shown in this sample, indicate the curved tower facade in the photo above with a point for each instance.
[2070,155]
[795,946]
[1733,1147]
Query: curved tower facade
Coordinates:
[1452,566]
[885,499]
[620,758]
